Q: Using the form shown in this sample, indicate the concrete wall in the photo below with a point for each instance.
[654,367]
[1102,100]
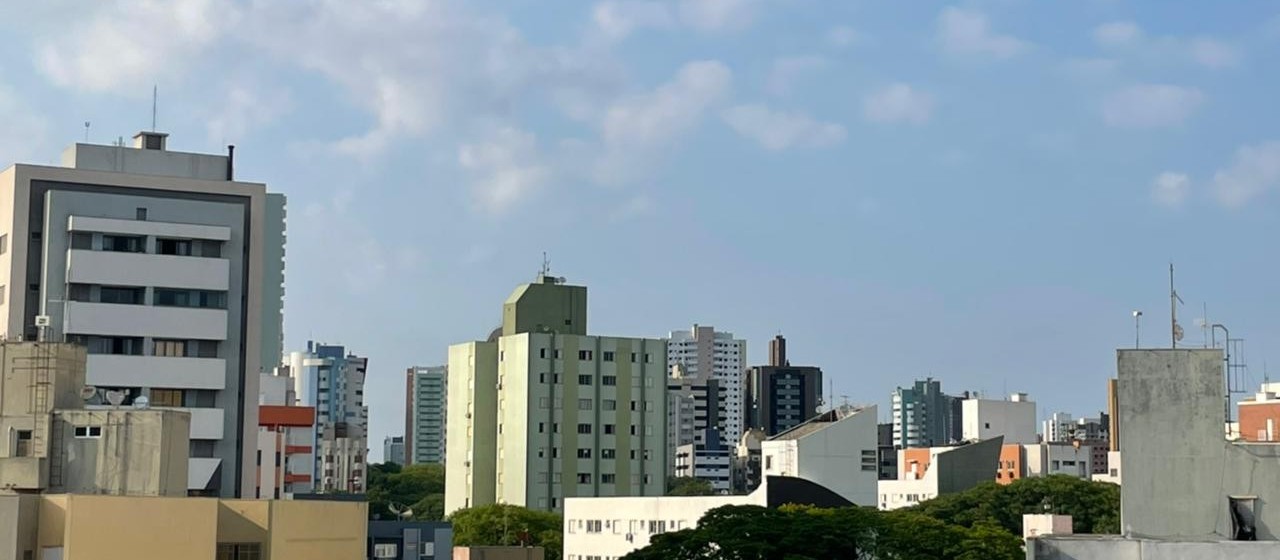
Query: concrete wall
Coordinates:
[498,553]
[962,468]
[1116,548]
[318,530]
[831,456]
[19,515]
[139,452]
[984,419]
[119,528]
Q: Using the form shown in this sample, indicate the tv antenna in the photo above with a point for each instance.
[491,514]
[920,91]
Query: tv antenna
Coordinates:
[1175,331]
[86,132]
[546,265]
[155,94]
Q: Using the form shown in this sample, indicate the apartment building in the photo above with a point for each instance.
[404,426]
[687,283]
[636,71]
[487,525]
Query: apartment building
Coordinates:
[928,472]
[696,413]
[542,411]
[393,450]
[286,438]
[780,396]
[331,379]
[425,414]
[1014,418]
[168,270]
[705,352]
[924,416]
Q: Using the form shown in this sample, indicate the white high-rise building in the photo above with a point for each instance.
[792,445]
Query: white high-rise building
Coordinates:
[332,380]
[168,270]
[1015,419]
[703,349]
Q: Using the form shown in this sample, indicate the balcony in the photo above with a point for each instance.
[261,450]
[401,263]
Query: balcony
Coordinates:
[141,269]
[156,371]
[143,320]
[23,473]
[142,227]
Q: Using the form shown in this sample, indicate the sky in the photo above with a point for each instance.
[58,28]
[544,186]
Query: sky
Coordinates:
[982,191]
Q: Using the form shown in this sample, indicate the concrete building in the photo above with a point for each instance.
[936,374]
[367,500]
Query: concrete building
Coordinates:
[926,473]
[780,396]
[747,468]
[158,262]
[331,379]
[54,445]
[924,416]
[393,450]
[1061,427]
[886,455]
[425,414]
[836,449]
[610,528]
[704,352]
[410,540]
[286,436]
[84,527]
[1015,419]
[542,411]
[696,413]
[1260,415]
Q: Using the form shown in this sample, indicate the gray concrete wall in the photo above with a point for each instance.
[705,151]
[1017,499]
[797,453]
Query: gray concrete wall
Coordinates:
[1179,469]
[1115,548]
[18,520]
[967,466]
[139,452]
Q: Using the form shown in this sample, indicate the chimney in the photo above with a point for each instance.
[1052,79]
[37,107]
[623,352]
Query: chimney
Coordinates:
[150,140]
[778,351]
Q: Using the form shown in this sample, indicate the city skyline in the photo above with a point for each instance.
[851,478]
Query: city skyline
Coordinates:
[977,192]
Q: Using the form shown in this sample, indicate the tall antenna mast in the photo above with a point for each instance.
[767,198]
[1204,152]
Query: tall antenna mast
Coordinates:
[546,265]
[1175,332]
[155,93]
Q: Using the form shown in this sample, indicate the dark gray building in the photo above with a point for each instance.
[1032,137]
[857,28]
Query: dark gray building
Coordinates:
[410,540]
[780,396]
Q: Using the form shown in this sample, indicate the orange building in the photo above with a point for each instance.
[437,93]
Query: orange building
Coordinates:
[1012,466]
[1260,415]
[285,454]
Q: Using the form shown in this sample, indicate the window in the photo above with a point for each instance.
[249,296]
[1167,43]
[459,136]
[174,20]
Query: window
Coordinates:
[609,380]
[171,348]
[81,240]
[633,430]
[109,344]
[608,429]
[584,380]
[141,213]
[986,425]
[239,551]
[584,428]
[648,358]
[633,357]
[180,247]
[585,355]
[542,427]
[584,404]
[190,298]
[23,444]
[166,397]
[114,294]
[584,478]
[123,243]
[584,452]
[609,404]
[557,354]
[88,431]
[768,461]
[608,453]
[608,356]
[1,294]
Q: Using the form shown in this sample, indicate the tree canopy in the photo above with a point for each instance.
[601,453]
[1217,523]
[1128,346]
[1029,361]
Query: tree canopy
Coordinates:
[805,533]
[688,486]
[507,525]
[417,487]
[1094,507]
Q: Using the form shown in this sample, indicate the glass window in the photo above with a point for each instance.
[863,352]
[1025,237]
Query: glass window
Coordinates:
[181,247]
[123,243]
[171,348]
[166,397]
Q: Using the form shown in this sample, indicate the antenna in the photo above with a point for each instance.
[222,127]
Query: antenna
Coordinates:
[546,265]
[1175,331]
[86,132]
[155,94]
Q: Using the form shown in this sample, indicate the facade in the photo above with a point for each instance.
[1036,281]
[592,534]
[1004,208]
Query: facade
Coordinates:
[1046,459]
[53,444]
[412,540]
[542,411]
[331,380]
[1015,419]
[158,262]
[886,455]
[425,421]
[393,450]
[83,527]
[1061,427]
[924,416]
[499,553]
[286,436]
[836,449]
[703,352]
[696,413]
[600,528]
[747,469]
[780,396]
[927,473]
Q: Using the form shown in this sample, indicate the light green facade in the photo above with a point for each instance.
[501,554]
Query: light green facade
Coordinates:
[472,425]
[546,306]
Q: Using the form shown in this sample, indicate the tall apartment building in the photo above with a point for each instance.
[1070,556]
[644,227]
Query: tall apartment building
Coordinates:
[168,270]
[703,350]
[286,436]
[542,411]
[780,396]
[393,450]
[1061,427]
[696,413]
[330,379]
[924,416]
[425,417]
[1013,418]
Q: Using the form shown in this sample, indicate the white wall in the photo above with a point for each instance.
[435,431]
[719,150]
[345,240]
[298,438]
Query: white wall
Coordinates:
[624,523]
[985,419]
[831,457]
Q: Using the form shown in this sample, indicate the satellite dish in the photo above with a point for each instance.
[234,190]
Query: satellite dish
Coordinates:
[141,403]
[400,511]
[88,391]
[115,397]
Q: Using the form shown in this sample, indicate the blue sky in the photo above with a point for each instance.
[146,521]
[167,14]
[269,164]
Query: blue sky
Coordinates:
[982,191]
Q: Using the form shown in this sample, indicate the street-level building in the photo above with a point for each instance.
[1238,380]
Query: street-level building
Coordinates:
[542,411]
[425,416]
[168,270]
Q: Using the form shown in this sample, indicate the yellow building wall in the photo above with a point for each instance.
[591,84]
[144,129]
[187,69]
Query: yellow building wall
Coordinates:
[136,528]
[53,521]
[318,530]
[244,521]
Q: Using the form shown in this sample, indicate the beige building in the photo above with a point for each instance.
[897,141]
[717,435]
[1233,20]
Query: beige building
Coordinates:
[80,527]
[542,411]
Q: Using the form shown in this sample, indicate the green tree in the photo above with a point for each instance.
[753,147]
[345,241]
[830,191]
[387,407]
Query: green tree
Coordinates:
[1093,506]
[508,525]
[418,487]
[688,486]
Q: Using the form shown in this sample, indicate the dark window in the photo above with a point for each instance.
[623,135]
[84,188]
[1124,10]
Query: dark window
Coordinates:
[607,478]
[584,380]
[180,247]
[542,352]
[584,428]
[114,294]
[81,240]
[259,456]
[608,453]
[584,453]
[23,448]
[584,478]
[123,243]
[608,356]
[584,354]
[609,380]
[608,428]
[633,357]
[142,212]
[190,298]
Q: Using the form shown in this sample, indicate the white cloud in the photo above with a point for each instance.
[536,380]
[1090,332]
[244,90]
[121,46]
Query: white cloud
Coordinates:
[1255,170]
[716,15]
[1151,105]
[1117,33]
[898,103]
[507,167]
[962,31]
[127,45]
[786,71]
[1170,189]
[841,36]
[777,130]
[635,128]
[1213,53]
[618,19]
[243,110]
